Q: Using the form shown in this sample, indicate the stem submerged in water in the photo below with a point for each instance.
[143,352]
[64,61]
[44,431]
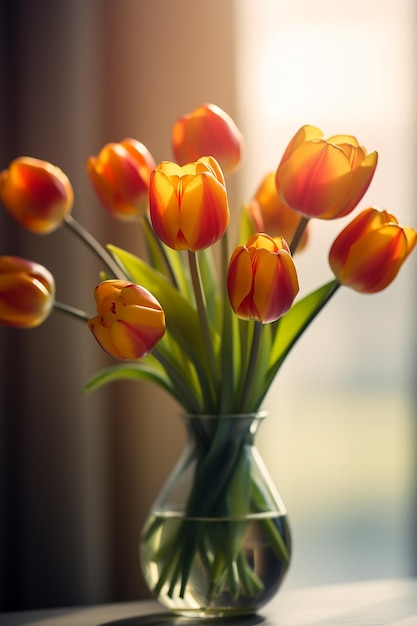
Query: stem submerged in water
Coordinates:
[214,533]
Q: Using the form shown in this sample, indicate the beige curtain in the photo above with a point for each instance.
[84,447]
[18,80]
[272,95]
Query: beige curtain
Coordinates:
[78,472]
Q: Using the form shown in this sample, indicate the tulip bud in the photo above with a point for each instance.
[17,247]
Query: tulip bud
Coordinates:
[120,177]
[188,205]
[207,130]
[27,292]
[36,193]
[271,215]
[262,280]
[369,252]
[129,321]
[324,178]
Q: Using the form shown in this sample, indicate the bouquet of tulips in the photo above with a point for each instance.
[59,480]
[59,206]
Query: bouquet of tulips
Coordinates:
[214,340]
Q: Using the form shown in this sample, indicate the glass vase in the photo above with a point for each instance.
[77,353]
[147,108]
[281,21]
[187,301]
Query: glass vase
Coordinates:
[217,541]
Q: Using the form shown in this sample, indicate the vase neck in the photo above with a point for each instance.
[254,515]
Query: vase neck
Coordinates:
[241,426]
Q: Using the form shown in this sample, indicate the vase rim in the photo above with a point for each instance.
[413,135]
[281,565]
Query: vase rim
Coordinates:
[250,414]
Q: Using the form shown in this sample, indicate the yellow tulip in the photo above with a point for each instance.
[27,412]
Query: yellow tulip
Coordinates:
[207,130]
[129,321]
[188,205]
[27,292]
[262,280]
[37,194]
[324,178]
[120,177]
[368,253]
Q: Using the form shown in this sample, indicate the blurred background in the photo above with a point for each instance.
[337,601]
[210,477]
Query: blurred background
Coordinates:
[79,472]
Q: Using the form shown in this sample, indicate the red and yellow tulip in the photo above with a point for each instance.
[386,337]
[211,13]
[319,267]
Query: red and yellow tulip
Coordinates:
[324,178]
[188,205]
[129,320]
[262,280]
[120,177]
[37,194]
[207,130]
[368,253]
[27,291]
[271,215]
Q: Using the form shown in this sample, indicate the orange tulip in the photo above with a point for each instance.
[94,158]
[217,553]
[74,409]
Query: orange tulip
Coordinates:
[36,193]
[188,205]
[369,252]
[129,321]
[120,177]
[271,215]
[324,178]
[262,280]
[27,292]
[207,130]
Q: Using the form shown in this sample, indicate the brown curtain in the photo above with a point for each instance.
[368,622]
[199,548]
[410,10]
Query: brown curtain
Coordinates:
[78,472]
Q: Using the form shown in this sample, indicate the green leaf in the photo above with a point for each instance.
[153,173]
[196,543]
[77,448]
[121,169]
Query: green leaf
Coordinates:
[291,326]
[231,362]
[128,371]
[147,369]
[181,317]
[167,261]
[210,287]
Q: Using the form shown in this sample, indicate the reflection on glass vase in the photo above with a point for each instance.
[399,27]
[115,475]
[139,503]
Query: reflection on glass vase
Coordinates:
[217,540]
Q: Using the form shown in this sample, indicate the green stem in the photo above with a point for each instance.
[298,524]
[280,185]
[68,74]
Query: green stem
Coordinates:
[71,311]
[332,287]
[184,394]
[95,246]
[228,383]
[202,313]
[302,224]
[256,341]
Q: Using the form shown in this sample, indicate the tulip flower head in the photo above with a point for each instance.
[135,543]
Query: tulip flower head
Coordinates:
[271,215]
[188,205]
[207,130]
[262,280]
[129,321]
[120,177]
[37,194]
[324,178]
[368,253]
[27,292]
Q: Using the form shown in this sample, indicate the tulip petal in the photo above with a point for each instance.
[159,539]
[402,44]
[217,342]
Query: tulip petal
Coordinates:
[26,292]
[188,205]
[37,194]
[275,285]
[204,211]
[164,206]
[239,277]
[362,177]
[207,130]
[316,179]
[384,250]
[369,251]
[306,133]
[324,178]
[339,140]
[129,322]
[261,280]
[120,177]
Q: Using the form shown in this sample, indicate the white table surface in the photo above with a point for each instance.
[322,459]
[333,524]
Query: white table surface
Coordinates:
[371,603]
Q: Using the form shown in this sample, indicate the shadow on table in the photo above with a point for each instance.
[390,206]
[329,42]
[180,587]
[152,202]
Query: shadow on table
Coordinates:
[172,620]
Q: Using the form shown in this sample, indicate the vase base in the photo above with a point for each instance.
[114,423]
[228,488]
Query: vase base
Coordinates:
[214,586]
[245,617]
